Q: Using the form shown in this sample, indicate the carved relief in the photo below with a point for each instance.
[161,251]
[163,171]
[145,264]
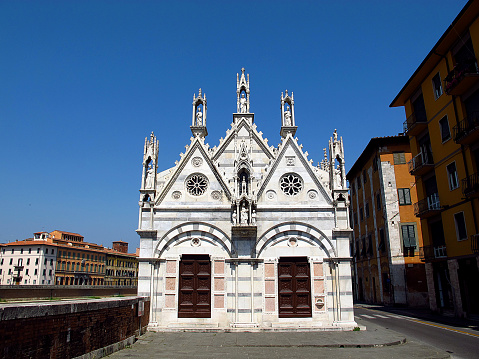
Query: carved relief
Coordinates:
[197,161]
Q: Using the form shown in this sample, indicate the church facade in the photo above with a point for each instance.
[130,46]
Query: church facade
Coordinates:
[245,235]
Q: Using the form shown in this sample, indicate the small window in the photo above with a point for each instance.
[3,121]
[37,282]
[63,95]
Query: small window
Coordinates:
[11,261]
[460,226]
[367,209]
[29,251]
[36,272]
[375,163]
[21,250]
[408,232]
[359,182]
[445,132]
[404,196]
[36,261]
[399,158]
[26,271]
[452,176]
[13,251]
[437,86]
[361,215]
[28,261]
[44,272]
[382,243]
[38,250]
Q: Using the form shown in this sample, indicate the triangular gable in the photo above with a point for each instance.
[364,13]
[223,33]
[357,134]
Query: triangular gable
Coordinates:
[230,135]
[193,148]
[290,143]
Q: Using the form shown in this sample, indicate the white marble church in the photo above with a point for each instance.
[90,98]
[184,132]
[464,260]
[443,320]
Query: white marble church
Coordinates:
[246,236]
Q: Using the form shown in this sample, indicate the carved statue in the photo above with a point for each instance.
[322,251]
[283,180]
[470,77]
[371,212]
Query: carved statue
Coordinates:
[199,117]
[242,104]
[244,215]
[253,217]
[335,135]
[150,176]
[234,217]
[287,117]
[243,186]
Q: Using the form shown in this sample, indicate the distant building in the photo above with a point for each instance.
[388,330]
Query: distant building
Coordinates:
[28,262]
[121,266]
[63,258]
[387,235]
[441,100]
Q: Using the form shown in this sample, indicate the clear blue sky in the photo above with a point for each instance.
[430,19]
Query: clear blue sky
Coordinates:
[82,83]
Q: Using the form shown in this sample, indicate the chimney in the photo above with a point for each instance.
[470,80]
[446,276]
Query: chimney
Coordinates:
[120,246]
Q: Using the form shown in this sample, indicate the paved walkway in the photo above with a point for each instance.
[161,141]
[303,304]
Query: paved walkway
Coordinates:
[376,342]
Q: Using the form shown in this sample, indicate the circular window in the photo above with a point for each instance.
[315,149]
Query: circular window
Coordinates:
[196,184]
[291,184]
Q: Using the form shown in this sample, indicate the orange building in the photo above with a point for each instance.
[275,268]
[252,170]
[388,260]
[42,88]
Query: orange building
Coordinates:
[387,234]
[78,262]
[441,100]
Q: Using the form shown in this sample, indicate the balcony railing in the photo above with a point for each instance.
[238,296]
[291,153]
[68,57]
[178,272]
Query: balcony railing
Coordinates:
[428,253]
[467,130]
[415,123]
[462,77]
[428,206]
[475,243]
[470,185]
[421,163]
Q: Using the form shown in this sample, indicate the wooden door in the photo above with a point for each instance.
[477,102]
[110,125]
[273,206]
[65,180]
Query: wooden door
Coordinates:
[194,299]
[294,287]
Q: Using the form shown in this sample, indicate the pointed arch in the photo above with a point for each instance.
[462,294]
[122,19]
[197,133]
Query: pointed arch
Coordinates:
[299,229]
[189,230]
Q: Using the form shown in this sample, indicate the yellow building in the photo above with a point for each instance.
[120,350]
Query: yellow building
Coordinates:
[387,234]
[441,100]
[121,266]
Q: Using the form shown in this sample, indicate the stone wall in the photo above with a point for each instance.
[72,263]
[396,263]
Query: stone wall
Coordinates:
[68,329]
[61,291]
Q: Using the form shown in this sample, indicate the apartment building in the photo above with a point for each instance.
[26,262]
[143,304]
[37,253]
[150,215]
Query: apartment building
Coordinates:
[387,234]
[441,100]
[121,266]
[28,262]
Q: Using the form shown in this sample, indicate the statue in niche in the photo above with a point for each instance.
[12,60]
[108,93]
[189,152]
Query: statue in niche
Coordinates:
[234,218]
[253,217]
[242,104]
[199,117]
[287,116]
[244,215]
[150,176]
[335,134]
[243,185]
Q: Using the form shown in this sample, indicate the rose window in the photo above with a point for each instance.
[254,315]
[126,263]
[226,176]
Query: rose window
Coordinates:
[291,184]
[196,184]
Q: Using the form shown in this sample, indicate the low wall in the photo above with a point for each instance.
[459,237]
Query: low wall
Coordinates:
[72,328]
[62,291]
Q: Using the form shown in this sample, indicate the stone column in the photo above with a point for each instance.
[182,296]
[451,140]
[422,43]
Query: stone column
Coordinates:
[453,267]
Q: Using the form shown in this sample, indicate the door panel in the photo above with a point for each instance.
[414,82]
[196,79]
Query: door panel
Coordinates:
[194,299]
[294,287]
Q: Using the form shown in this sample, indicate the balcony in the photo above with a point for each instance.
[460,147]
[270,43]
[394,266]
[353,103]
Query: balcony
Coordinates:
[415,124]
[470,185]
[467,130]
[475,243]
[421,164]
[428,253]
[428,207]
[461,78]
